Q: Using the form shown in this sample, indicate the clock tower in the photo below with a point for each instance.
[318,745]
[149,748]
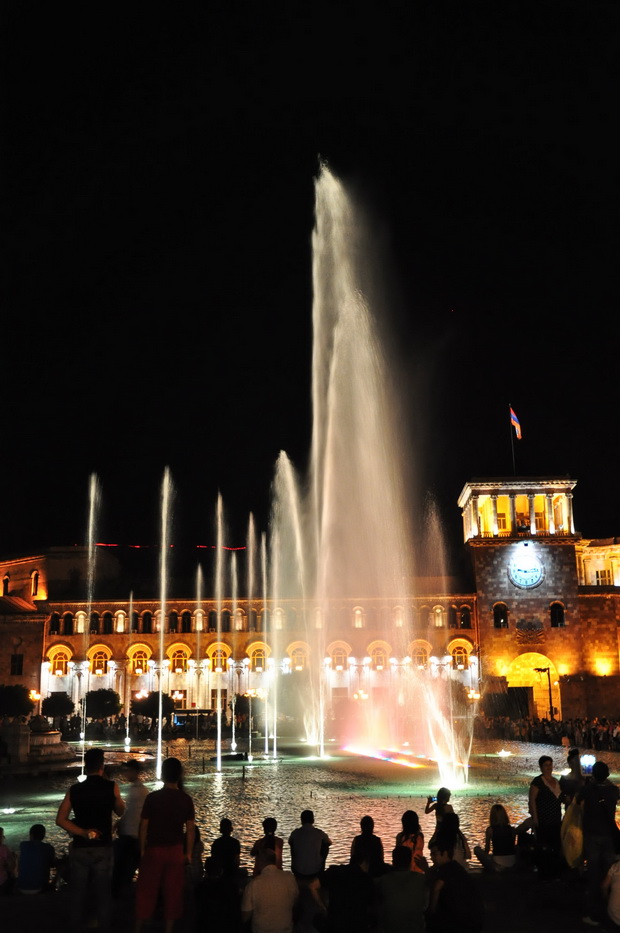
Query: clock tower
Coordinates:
[521,536]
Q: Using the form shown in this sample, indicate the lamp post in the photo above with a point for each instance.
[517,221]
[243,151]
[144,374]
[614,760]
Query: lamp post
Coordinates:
[547,671]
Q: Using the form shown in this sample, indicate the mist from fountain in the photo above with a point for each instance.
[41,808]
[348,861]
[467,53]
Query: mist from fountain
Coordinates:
[94,501]
[343,528]
[166,513]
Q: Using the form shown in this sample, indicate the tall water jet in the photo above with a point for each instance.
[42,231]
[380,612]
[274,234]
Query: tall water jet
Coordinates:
[166,508]
[94,499]
[199,663]
[267,629]
[344,528]
[219,583]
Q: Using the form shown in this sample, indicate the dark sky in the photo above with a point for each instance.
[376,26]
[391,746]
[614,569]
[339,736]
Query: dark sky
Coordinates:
[158,209]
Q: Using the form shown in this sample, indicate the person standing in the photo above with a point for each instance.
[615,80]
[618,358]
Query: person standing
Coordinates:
[599,798]
[127,843]
[268,841]
[226,849]
[93,801]
[545,806]
[309,848]
[166,847]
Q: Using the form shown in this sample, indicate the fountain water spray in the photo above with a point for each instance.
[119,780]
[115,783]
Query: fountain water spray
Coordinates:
[94,499]
[166,508]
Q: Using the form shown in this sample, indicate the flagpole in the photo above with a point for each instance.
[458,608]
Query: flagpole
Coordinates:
[512,440]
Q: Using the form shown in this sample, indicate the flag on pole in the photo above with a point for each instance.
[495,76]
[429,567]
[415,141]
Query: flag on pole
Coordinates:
[515,423]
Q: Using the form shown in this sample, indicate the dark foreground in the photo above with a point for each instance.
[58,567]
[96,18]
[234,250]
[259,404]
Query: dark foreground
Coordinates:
[514,903]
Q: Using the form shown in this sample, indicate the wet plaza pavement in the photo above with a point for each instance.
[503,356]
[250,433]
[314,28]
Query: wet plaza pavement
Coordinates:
[340,791]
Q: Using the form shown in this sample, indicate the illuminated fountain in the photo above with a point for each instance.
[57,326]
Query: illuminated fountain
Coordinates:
[342,530]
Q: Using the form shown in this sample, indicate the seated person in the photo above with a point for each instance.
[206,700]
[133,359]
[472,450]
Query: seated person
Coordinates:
[455,900]
[36,859]
[499,842]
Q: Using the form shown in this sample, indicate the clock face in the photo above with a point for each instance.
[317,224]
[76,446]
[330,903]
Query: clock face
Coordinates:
[525,571]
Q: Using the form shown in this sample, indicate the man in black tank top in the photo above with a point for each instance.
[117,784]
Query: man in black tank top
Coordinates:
[93,801]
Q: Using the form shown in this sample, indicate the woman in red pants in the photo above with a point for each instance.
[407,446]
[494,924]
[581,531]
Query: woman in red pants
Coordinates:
[167,831]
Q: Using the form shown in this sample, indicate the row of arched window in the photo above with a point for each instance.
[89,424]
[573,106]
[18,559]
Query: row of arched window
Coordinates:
[186,622]
[501,613]
[219,658]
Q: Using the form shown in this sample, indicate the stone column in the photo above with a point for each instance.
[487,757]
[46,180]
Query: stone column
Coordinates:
[475,526]
[550,519]
[513,514]
[531,498]
[494,515]
[569,513]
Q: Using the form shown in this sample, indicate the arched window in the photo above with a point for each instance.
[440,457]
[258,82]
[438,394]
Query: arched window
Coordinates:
[299,659]
[379,658]
[80,622]
[135,622]
[226,620]
[239,620]
[186,622]
[358,618]
[278,619]
[108,623]
[59,663]
[173,621]
[67,624]
[339,658]
[178,661]
[252,620]
[213,621]
[5,585]
[147,623]
[419,657]
[437,617]
[557,616]
[465,617]
[54,624]
[99,662]
[452,617]
[120,622]
[94,623]
[460,658]
[258,660]
[139,661]
[219,660]
[34,582]
[500,615]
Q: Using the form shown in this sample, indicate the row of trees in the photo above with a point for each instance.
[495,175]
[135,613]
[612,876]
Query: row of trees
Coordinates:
[15,701]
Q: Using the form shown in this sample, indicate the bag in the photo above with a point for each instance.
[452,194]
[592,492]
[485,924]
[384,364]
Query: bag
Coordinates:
[571,834]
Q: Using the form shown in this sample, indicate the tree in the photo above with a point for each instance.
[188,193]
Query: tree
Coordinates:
[15,700]
[57,704]
[149,706]
[102,703]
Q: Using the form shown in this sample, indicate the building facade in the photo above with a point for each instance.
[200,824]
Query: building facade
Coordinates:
[541,619]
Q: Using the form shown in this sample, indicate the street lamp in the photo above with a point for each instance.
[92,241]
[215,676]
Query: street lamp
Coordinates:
[547,671]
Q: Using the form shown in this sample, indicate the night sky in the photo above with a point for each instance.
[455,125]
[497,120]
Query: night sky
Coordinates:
[158,210]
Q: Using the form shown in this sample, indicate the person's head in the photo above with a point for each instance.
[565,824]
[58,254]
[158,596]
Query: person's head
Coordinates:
[269,825]
[307,816]
[410,822]
[226,827]
[441,850]
[367,824]
[266,857]
[600,771]
[545,763]
[573,756]
[132,770]
[171,771]
[498,815]
[443,795]
[37,832]
[401,858]
[93,760]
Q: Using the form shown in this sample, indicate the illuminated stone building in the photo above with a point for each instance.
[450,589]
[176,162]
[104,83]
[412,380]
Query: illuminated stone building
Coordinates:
[541,612]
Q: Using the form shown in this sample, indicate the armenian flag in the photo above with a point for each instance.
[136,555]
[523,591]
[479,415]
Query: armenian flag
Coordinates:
[515,423]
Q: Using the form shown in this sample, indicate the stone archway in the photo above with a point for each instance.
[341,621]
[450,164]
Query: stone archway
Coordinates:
[522,673]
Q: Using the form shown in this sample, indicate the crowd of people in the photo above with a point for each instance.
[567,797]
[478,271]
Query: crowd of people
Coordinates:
[593,734]
[155,855]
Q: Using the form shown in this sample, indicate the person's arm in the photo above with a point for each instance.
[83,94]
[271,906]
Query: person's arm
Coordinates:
[63,820]
[119,803]
[435,895]
[430,806]
[466,849]
[418,848]
[190,832]
[144,828]
[487,840]
[532,804]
